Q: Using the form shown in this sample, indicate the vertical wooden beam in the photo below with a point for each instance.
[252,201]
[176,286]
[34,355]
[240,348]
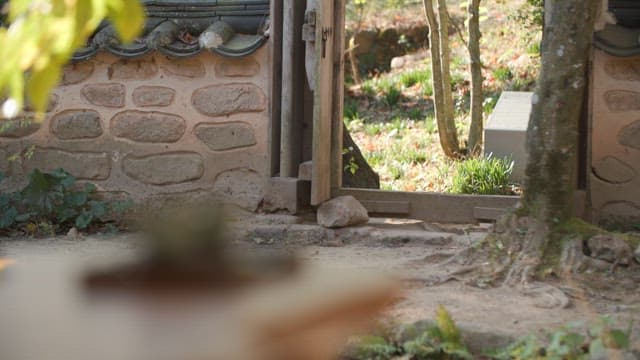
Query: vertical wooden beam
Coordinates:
[275,88]
[292,84]
[323,104]
[338,94]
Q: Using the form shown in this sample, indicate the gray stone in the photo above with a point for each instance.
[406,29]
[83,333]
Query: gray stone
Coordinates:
[342,211]
[630,135]
[19,127]
[107,94]
[618,213]
[623,69]
[4,162]
[82,165]
[77,72]
[219,100]
[76,124]
[189,68]
[226,136]
[164,169]
[622,100]
[610,248]
[127,69]
[148,127]
[241,187]
[613,170]
[144,96]
[244,67]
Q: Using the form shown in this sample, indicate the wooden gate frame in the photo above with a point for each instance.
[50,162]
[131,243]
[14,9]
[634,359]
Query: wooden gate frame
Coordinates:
[326,165]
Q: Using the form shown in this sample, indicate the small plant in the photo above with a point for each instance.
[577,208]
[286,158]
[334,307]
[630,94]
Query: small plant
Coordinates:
[482,176]
[350,164]
[410,78]
[53,202]
[568,343]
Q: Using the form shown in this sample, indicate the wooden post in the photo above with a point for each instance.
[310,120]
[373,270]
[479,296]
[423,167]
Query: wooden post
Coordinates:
[275,54]
[292,88]
[337,123]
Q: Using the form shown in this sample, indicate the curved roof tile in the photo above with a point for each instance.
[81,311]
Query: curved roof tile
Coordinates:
[174,28]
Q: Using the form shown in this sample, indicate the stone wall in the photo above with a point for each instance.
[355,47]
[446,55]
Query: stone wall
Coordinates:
[615,139]
[154,128]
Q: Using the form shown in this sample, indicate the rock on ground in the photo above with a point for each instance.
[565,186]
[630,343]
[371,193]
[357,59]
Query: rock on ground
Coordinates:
[342,211]
[610,249]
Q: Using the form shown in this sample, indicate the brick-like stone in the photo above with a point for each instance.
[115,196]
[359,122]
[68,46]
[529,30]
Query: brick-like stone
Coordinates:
[144,96]
[630,135]
[164,169]
[107,94]
[242,187]
[189,68]
[76,124]
[77,72]
[4,162]
[19,127]
[219,100]
[148,127]
[623,69]
[138,69]
[244,67]
[82,165]
[226,136]
[613,170]
[622,100]
[617,212]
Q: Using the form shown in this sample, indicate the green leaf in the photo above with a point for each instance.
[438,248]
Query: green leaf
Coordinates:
[83,220]
[127,16]
[98,208]
[8,217]
[616,339]
[40,84]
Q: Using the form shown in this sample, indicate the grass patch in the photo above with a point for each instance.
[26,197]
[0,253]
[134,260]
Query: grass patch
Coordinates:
[482,176]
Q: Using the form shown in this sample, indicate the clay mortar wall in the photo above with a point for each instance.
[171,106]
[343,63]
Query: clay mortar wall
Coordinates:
[614,184]
[154,129]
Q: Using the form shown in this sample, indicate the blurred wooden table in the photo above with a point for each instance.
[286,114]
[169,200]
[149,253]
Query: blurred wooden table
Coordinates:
[47,314]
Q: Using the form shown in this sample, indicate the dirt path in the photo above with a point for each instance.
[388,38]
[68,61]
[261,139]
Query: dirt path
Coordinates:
[405,253]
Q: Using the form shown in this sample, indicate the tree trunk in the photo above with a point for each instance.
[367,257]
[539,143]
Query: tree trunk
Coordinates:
[552,135]
[443,100]
[477,97]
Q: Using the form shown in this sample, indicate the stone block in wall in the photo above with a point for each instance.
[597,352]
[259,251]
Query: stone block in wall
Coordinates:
[623,69]
[144,96]
[189,68]
[77,72]
[148,127]
[128,69]
[19,127]
[622,100]
[76,124]
[244,67]
[630,135]
[219,100]
[82,165]
[4,162]
[242,187]
[107,94]
[164,169]
[226,136]
[613,170]
[619,212]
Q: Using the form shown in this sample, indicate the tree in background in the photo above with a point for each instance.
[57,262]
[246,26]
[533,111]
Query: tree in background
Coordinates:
[42,35]
[439,22]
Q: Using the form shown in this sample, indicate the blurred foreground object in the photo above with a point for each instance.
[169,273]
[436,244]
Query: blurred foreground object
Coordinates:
[198,298]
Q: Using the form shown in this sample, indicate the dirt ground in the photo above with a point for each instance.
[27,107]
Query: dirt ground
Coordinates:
[408,251]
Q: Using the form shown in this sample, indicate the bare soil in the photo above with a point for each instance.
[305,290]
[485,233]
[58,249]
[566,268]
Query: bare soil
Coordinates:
[410,253]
